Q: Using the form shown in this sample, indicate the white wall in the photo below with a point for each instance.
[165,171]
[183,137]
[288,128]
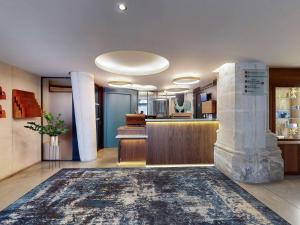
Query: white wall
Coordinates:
[19,147]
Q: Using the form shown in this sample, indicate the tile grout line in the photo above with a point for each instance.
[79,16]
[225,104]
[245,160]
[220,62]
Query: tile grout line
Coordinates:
[282,198]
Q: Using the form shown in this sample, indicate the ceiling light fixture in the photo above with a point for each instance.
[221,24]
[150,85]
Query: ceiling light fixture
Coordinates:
[177,90]
[122,6]
[132,63]
[186,80]
[140,87]
[121,84]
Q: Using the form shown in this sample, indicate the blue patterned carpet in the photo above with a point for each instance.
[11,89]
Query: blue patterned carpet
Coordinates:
[164,196]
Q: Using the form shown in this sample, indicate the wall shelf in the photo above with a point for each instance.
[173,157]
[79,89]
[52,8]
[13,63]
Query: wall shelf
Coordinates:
[25,105]
[2,93]
[2,112]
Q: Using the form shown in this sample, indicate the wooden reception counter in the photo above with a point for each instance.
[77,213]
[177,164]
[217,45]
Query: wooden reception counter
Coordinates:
[181,141]
[170,141]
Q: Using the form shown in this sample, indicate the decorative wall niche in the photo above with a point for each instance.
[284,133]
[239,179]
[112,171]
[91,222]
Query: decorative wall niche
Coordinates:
[2,112]
[25,105]
[2,94]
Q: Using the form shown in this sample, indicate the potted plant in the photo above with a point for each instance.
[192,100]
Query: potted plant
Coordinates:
[55,126]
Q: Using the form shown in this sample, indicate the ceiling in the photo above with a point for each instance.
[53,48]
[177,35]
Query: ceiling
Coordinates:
[54,37]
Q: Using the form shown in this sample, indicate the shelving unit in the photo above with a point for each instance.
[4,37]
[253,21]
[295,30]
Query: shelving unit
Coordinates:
[284,97]
[25,105]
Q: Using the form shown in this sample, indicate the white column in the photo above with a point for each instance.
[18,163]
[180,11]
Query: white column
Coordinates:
[83,88]
[245,149]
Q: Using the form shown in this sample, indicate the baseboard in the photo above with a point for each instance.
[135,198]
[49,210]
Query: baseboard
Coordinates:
[18,171]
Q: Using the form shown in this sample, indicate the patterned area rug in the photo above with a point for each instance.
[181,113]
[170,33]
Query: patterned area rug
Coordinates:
[164,196]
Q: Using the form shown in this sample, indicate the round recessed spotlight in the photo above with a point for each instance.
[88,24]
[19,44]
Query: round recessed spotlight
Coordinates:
[186,80]
[122,6]
[132,63]
[122,84]
[177,90]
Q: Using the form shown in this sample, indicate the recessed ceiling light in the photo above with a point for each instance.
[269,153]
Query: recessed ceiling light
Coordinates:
[122,84]
[177,90]
[134,63]
[186,80]
[122,6]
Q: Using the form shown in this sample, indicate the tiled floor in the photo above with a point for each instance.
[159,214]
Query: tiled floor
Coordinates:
[282,197]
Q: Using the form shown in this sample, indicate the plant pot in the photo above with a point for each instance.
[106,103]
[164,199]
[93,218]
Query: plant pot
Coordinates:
[51,149]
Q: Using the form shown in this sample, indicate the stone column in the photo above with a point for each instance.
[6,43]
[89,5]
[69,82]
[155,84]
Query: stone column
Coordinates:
[245,149]
[83,89]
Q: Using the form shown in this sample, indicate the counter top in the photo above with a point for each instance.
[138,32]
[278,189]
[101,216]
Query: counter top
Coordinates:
[179,120]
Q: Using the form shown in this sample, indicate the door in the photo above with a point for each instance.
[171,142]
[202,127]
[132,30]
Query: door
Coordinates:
[99,116]
[117,105]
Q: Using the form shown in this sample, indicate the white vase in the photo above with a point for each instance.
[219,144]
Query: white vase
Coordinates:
[53,149]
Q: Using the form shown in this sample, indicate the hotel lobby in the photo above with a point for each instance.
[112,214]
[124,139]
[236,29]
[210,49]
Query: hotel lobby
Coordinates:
[149,112]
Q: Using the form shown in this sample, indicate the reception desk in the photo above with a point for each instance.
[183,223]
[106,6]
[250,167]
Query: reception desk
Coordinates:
[181,141]
[171,141]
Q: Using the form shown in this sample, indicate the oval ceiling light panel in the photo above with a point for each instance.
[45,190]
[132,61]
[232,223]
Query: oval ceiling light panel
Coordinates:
[177,90]
[140,87]
[132,63]
[121,84]
[186,80]
[166,94]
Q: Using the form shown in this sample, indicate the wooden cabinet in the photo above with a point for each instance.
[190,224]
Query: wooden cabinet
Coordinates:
[209,107]
[132,144]
[132,149]
[291,158]
[181,142]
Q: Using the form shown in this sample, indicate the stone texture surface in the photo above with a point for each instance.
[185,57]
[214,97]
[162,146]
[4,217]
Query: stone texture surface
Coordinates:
[245,149]
[83,89]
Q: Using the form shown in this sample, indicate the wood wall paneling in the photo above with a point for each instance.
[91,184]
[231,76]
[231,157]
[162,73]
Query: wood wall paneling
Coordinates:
[132,150]
[181,142]
[291,158]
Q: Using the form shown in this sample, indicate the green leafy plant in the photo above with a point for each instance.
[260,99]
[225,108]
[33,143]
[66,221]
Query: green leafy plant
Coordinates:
[55,125]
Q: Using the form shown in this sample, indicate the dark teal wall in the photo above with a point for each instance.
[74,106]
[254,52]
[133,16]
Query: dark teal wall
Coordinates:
[117,103]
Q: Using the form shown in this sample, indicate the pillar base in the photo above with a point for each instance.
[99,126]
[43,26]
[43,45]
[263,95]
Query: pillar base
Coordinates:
[265,165]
